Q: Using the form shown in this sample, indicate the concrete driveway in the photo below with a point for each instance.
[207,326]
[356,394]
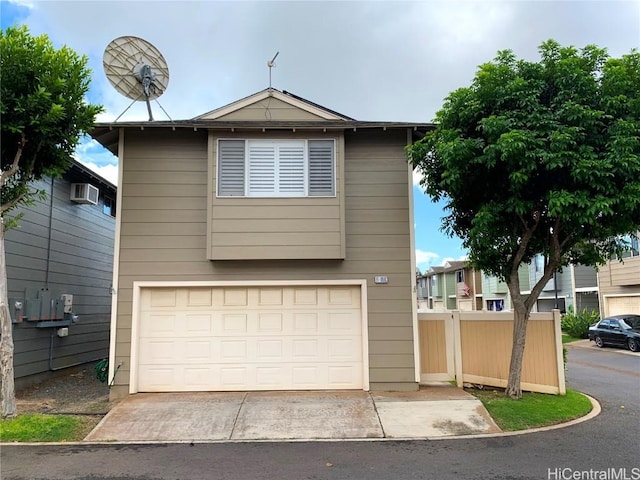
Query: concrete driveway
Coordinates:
[241,416]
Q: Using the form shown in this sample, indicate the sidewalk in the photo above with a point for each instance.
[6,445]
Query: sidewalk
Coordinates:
[434,411]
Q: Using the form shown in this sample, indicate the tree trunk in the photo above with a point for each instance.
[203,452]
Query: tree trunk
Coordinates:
[521,318]
[6,337]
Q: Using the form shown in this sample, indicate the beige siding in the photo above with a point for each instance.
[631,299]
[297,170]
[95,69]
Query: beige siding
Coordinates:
[242,228]
[270,109]
[619,285]
[620,274]
[160,243]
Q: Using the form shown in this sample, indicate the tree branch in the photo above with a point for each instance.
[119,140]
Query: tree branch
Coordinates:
[8,206]
[7,174]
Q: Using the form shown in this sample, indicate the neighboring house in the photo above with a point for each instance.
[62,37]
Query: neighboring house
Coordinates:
[452,286]
[265,245]
[62,246]
[455,286]
[619,282]
[575,286]
[495,293]
[585,288]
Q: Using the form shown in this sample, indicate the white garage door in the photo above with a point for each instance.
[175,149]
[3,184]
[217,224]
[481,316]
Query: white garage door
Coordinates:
[249,338]
[622,305]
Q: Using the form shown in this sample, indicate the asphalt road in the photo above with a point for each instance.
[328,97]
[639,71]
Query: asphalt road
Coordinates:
[610,443]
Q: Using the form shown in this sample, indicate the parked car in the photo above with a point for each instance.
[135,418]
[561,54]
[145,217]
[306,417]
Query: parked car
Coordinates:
[619,330]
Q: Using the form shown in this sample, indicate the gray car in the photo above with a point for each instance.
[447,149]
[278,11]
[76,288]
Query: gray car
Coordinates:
[617,330]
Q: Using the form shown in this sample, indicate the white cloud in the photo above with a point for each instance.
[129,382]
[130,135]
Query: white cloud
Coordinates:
[108,172]
[91,154]
[23,3]
[417,177]
[425,259]
[462,258]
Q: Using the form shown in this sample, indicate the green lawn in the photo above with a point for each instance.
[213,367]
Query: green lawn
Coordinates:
[566,338]
[46,428]
[534,409]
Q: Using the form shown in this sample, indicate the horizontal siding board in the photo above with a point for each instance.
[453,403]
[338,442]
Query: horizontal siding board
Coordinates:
[161,254]
[165,203]
[276,252]
[397,176]
[383,215]
[176,242]
[392,375]
[155,177]
[377,241]
[27,263]
[276,239]
[282,226]
[140,165]
[220,203]
[391,347]
[160,229]
[64,277]
[389,319]
[65,240]
[379,253]
[373,202]
[390,361]
[263,212]
[376,228]
[391,333]
[86,258]
[164,189]
[383,190]
[171,216]
[19,237]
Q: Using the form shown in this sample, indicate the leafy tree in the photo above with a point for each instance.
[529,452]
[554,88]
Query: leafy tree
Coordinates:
[538,158]
[43,116]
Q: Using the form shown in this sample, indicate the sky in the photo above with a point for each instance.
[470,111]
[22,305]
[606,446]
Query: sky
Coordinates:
[370,60]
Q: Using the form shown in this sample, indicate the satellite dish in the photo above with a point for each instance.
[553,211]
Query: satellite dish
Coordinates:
[136,69]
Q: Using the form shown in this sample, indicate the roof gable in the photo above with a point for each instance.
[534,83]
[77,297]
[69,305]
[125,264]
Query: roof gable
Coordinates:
[272,104]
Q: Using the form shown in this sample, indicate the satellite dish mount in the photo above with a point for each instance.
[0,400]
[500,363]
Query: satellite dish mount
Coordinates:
[137,70]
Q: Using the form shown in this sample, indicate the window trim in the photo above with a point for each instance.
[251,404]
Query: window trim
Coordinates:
[112,205]
[278,142]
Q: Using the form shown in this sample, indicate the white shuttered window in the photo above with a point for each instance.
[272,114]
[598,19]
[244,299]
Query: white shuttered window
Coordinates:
[276,168]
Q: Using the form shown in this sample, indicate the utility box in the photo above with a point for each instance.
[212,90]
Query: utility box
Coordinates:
[44,308]
[67,300]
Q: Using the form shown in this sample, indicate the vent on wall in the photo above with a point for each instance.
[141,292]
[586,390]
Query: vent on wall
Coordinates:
[84,193]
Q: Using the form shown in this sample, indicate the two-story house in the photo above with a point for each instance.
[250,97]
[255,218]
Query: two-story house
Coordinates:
[265,245]
[452,286]
[63,245]
[619,282]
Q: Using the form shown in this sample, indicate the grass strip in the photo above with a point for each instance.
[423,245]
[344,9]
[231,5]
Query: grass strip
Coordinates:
[566,338]
[46,428]
[533,409]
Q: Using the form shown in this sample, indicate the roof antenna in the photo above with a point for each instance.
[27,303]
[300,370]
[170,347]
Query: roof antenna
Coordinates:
[271,64]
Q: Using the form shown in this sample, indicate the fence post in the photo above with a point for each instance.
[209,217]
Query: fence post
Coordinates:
[457,347]
[562,389]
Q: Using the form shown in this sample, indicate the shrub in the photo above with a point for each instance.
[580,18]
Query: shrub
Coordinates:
[577,324]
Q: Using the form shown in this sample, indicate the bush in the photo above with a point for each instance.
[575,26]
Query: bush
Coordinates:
[577,324]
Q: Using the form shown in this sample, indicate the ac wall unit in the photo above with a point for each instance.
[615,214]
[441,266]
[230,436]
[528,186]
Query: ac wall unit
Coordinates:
[84,193]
